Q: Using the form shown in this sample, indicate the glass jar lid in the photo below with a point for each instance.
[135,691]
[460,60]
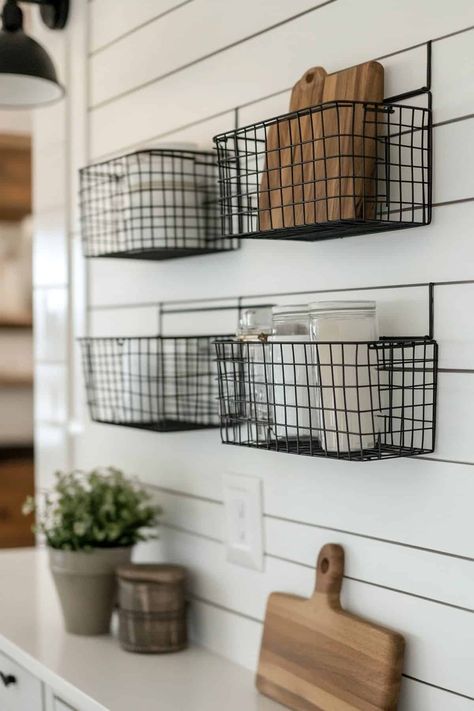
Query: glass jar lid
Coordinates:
[328,307]
[291,310]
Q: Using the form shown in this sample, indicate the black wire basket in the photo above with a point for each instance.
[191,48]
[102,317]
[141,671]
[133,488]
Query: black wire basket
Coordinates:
[347,400]
[153,383]
[152,204]
[338,169]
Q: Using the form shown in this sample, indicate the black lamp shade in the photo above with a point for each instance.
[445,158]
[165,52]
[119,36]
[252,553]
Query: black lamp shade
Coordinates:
[27,74]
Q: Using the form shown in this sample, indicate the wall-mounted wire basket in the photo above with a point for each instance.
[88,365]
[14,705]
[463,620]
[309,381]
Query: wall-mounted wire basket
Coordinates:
[338,169]
[355,401]
[154,383]
[152,204]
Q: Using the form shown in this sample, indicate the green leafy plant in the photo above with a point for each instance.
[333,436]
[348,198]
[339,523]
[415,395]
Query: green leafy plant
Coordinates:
[97,509]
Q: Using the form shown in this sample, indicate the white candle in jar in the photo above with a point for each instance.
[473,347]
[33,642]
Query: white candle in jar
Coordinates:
[346,379]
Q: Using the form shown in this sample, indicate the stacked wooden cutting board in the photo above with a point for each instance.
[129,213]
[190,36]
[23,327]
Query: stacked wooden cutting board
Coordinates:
[319,164]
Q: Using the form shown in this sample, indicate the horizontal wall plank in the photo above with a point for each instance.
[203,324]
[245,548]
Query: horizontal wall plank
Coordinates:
[202,29]
[455,417]
[110,19]
[419,696]
[452,145]
[201,133]
[410,570]
[400,311]
[411,501]
[454,325]
[453,55]
[406,257]
[440,577]
[422,623]
[202,517]
[227,634]
[244,77]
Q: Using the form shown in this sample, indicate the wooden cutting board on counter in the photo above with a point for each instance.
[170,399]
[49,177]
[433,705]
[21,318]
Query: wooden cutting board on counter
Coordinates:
[315,656]
[281,186]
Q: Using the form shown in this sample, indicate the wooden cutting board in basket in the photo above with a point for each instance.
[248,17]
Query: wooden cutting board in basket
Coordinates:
[315,656]
[350,142]
[281,188]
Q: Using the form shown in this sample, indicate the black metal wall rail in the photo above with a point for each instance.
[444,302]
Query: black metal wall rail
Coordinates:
[333,170]
[152,204]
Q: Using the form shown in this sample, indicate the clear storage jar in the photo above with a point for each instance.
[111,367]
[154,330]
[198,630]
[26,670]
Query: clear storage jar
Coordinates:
[345,378]
[290,372]
[254,324]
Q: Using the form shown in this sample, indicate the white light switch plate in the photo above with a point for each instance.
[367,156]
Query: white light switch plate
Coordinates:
[243,516]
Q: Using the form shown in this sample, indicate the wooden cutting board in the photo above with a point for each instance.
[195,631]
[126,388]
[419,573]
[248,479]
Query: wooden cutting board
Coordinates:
[350,141]
[315,656]
[281,186]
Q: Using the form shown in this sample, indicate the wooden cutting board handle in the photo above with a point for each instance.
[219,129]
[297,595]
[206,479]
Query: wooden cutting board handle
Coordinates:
[329,574]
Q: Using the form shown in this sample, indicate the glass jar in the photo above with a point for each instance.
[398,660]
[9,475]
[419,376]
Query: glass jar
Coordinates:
[343,321]
[347,397]
[291,375]
[251,402]
[291,320]
[253,322]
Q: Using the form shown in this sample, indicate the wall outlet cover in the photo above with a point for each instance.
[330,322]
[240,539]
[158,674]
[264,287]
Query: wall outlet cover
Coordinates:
[243,519]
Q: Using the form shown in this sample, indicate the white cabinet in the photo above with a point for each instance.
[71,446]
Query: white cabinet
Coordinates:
[59,705]
[54,703]
[19,690]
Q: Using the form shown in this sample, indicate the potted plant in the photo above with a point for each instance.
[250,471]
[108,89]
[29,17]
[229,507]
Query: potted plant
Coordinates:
[90,522]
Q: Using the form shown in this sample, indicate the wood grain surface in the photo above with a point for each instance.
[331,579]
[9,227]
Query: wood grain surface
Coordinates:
[15,177]
[349,143]
[16,483]
[281,187]
[315,656]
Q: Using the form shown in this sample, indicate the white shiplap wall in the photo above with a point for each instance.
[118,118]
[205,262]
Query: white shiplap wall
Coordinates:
[159,69]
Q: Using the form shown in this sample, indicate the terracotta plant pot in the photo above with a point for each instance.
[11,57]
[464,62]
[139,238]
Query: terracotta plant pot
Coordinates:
[86,585]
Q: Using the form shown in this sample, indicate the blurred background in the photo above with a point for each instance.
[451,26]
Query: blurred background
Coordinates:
[16,342]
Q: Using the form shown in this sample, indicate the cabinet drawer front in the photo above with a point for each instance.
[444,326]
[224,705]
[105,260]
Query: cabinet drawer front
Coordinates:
[19,690]
[59,705]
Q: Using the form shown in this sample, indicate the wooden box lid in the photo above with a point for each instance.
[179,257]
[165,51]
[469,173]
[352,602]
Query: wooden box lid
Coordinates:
[161,574]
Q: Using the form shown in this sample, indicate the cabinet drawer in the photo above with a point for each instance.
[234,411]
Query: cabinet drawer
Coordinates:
[59,705]
[19,690]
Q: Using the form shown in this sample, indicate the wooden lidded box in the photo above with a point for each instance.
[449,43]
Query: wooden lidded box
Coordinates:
[152,608]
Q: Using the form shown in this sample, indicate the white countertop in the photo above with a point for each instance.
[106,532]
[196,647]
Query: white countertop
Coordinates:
[93,672]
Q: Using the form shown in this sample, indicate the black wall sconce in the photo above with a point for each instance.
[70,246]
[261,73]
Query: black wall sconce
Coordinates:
[27,74]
